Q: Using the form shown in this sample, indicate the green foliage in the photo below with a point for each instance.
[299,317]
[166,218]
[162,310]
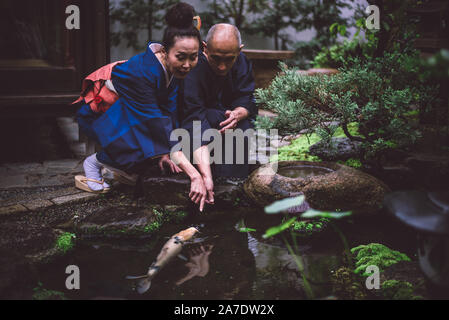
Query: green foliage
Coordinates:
[230,11]
[399,290]
[375,254]
[274,17]
[65,242]
[135,16]
[351,162]
[242,228]
[325,18]
[284,204]
[41,293]
[312,213]
[439,64]
[375,94]
[308,227]
[280,228]
[298,149]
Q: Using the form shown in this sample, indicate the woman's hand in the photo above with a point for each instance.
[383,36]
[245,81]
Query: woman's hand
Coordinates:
[198,191]
[209,184]
[165,161]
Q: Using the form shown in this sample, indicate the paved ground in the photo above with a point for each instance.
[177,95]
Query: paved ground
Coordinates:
[33,186]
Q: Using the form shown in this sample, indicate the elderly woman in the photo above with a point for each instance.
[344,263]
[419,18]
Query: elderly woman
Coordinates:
[133,109]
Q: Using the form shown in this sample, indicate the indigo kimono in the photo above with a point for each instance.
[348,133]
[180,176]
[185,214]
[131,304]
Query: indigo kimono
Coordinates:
[205,96]
[138,125]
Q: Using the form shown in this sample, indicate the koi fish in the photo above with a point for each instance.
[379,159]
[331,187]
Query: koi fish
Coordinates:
[171,249]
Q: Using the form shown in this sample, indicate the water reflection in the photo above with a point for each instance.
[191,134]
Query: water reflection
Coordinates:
[198,263]
[303,171]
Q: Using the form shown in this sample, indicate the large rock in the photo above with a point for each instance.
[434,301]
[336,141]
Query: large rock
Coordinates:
[331,186]
[339,149]
[128,221]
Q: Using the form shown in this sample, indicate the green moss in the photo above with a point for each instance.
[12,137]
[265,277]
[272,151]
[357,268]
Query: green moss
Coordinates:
[399,290]
[352,162]
[41,293]
[353,129]
[161,217]
[65,242]
[298,150]
[375,254]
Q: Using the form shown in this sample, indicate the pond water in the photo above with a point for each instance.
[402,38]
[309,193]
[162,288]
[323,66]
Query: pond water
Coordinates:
[303,171]
[242,265]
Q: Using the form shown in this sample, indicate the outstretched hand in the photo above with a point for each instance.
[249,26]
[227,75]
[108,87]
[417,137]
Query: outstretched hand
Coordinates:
[165,161]
[233,118]
[202,191]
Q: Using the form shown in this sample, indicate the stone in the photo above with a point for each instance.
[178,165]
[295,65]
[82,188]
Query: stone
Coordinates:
[38,204]
[403,281]
[61,166]
[26,168]
[339,188]
[127,221]
[74,198]
[340,149]
[14,181]
[16,208]
[26,238]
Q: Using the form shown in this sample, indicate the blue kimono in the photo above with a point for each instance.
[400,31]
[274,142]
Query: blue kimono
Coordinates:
[138,125]
[205,96]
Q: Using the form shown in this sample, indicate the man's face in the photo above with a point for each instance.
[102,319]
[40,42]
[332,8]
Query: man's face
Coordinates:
[221,55]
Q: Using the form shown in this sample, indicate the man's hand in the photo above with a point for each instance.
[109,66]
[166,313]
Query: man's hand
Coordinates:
[233,118]
[165,161]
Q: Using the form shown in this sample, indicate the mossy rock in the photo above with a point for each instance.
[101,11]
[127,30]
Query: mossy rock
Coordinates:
[346,285]
[400,277]
[375,254]
[399,290]
[128,221]
[337,187]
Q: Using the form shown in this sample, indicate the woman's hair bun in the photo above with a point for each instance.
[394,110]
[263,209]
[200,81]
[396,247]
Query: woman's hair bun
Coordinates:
[180,16]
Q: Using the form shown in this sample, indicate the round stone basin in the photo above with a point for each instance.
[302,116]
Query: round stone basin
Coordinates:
[327,186]
[303,171]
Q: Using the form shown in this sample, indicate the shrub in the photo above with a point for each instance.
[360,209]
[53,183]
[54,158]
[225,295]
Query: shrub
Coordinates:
[377,95]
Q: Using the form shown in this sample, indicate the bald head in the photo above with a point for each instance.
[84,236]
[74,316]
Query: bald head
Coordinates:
[224,33]
[222,47]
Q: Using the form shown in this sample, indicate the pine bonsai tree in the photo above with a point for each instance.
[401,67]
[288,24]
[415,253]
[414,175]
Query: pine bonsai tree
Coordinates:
[378,96]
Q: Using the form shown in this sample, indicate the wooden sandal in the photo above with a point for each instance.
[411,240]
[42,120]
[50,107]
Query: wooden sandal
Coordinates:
[122,176]
[81,183]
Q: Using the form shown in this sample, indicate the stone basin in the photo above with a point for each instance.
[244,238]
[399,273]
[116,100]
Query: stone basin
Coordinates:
[303,171]
[326,186]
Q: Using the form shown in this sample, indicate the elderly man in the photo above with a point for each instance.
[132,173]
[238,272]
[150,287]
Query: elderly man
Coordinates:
[219,93]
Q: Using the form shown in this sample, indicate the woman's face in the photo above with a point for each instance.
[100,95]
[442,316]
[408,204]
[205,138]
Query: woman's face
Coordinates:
[182,57]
